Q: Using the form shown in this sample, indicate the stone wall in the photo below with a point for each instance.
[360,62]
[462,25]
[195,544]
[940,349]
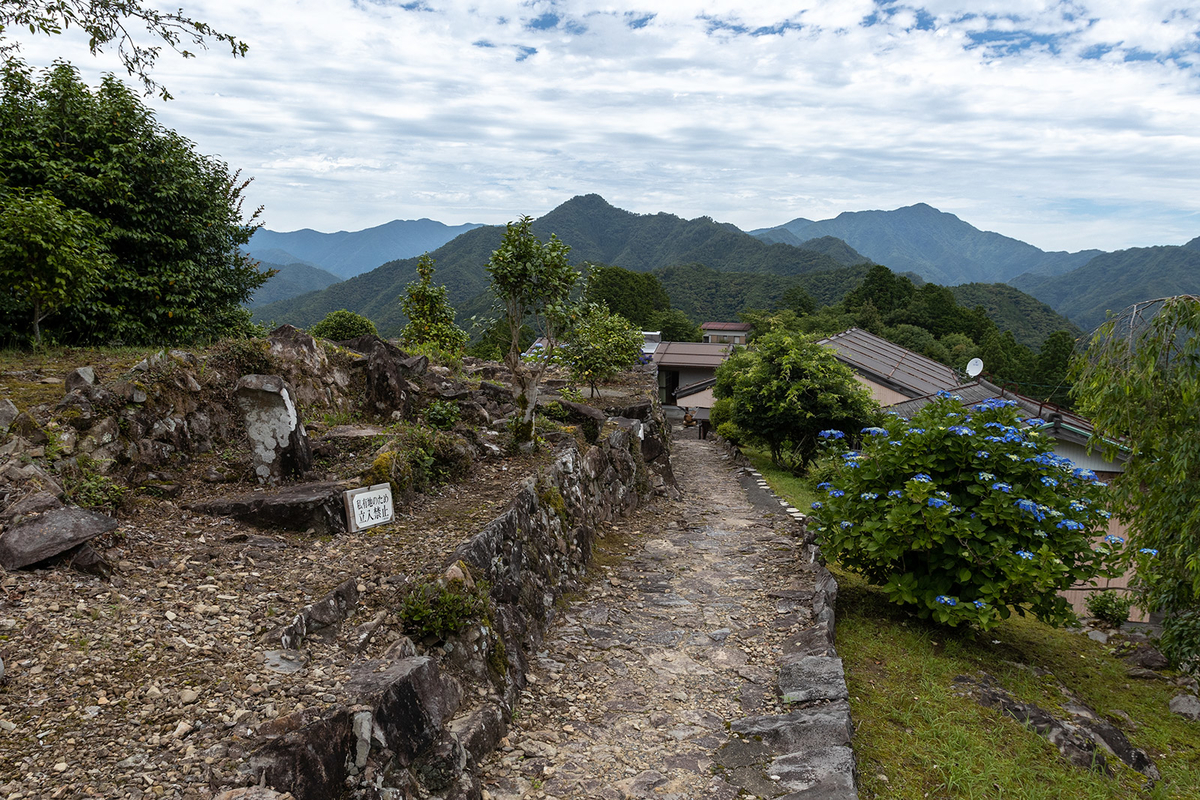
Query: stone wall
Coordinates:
[411,725]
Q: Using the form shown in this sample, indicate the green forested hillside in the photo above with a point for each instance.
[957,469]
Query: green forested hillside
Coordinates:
[595,230]
[938,246]
[1030,320]
[707,295]
[290,280]
[1112,281]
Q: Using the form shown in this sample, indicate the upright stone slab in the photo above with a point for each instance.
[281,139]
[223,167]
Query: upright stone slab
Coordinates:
[278,442]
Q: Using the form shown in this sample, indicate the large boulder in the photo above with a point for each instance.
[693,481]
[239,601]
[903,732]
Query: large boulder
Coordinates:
[316,506]
[389,375]
[278,442]
[8,413]
[50,533]
[302,361]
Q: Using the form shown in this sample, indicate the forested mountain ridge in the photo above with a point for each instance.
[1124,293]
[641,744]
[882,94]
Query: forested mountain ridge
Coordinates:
[1112,281]
[290,280]
[936,245]
[595,230]
[349,253]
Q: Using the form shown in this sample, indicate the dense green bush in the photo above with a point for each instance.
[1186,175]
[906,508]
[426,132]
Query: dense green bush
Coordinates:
[785,389]
[1180,641]
[93,169]
[438,609]
[599,346]
[963,513]
[1109,607]
[442,415]
[338,326]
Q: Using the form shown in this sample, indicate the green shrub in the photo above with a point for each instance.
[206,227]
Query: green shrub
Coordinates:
[338,326]
[418,458]
[442,415]
[730,432]
[721,412]
[243,356]
[961,514]
[87,487]
[438,609]
[430,315]
[1109,607]
[1180,641]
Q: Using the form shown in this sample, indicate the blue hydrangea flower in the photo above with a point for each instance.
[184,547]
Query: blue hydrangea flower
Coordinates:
[1084,474]
[852,463]
[1078,506]
[979,604]
[921,477]
[895,493]
[846,525]
[993,425]
[817,506]
[836,493]
[960,430]
[915,430]
[1105,514]
[1031,508]
[993,403]
[1070,525]
[1002,487]
[943,394]
[869,496]
[982,454]
[946,601]
[851,454]
[1025,554]
[985,476]
[824,485]
[1035,422]
[875,432]
[831,434]
[1048,481]
[1114,539]
[1150,551]
[937,502]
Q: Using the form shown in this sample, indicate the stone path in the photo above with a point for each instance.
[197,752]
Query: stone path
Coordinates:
[681,642]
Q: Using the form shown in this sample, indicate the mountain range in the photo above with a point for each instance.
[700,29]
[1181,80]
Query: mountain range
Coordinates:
[930,244]
[349,253]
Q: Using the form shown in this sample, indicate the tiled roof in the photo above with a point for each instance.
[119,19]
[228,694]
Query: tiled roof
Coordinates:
[725,326]
[890,364]
[691,354]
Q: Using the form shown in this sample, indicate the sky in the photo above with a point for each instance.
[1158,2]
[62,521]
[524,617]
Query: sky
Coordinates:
[1069,125]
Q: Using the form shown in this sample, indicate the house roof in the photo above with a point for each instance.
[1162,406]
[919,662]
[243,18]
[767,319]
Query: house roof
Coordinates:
[1065,425]
[691,354]
[695,388]
[725,326]
[889,364]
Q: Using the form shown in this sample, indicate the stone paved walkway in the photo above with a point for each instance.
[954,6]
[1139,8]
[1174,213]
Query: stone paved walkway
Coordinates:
[642,678]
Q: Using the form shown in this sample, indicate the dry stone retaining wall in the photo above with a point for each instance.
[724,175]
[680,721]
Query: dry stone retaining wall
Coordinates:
[411,725]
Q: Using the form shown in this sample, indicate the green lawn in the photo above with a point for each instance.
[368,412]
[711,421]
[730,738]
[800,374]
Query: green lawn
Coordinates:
[916,738]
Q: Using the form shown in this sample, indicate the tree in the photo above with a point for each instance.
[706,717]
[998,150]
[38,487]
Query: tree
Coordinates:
[636,296]
[675,326]
[1139,384]
[171,218]
[530,278]
[787,389]
[600,345]
[1049,378]
[50,256]
[340,325]
[961,515]
[108,21]
[430,315]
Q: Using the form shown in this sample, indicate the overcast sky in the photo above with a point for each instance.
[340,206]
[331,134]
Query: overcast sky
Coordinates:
[1069,125]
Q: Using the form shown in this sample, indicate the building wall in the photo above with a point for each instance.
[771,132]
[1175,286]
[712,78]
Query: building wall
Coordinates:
[1079,454]
[882,394]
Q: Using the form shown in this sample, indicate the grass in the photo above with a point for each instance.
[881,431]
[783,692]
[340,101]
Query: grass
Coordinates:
[916,738]
[21,371]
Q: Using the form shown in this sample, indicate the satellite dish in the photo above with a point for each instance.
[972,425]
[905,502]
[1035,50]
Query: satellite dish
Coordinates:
[974,367]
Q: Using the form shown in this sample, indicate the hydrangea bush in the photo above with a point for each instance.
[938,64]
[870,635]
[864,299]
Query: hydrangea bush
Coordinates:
[962,513]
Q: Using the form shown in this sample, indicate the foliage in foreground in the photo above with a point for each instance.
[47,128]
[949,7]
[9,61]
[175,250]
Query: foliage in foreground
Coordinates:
[341,325]
[786,389]
[164,222]
[961,514]
[599,346]
[532,280]
[430,315]
[1139,383]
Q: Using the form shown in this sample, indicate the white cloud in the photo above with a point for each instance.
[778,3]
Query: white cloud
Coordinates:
[1022,116]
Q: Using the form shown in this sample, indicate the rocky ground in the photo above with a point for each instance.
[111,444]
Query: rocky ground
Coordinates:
[137,686]
[677,639]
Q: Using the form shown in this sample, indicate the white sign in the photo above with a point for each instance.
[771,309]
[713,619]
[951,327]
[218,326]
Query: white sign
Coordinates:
[368,507]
